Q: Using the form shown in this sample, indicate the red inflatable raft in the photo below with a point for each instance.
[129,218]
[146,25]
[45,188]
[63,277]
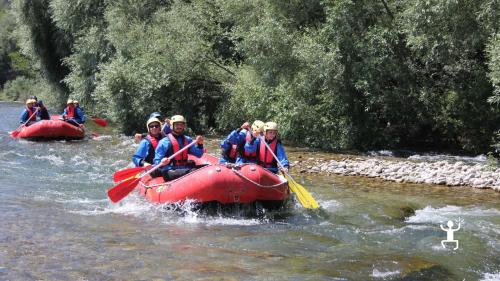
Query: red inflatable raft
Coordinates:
[51,130]
[219,183]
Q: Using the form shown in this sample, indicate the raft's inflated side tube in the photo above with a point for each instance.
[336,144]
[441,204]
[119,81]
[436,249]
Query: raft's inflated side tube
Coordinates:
[219,183]
[51,129]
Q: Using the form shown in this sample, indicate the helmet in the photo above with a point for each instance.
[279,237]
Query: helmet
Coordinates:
[75,101]
[30,101]
[152,120]
[69,101]
[155,115]
[34,98]
[270,126]
[177,119]
[257,126]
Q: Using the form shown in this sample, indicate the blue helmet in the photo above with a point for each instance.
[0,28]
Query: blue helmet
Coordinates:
[155,115]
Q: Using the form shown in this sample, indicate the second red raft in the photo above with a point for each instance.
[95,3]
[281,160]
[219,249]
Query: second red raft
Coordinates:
[51,130]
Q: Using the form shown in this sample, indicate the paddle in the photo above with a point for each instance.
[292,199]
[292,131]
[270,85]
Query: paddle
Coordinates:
[99,121]
[118,192]
[16,132]
[304,197]
[127,173]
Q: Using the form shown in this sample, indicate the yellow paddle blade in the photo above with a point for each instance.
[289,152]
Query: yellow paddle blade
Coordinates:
[305,198]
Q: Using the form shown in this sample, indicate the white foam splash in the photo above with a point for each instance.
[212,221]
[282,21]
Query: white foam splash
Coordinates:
[55,160]
[330,205]
[438,215]
[491,276]
[383,274]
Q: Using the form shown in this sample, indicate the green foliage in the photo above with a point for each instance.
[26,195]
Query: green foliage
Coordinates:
[22,88]
[493,50]
[334,74]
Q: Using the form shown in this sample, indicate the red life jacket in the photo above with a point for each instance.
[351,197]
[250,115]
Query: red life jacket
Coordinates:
[31,114]
[151,152]
[233,152]
[70,112]
[266,158]
[182,158]
[154,141]
[247,155]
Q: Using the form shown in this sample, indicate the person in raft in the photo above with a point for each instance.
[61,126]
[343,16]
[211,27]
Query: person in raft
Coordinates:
[233,142]
[233,146]
[73,115]
[245,156]
[77,105]
[145,153]
[165,129]
[44,113]
[30,113]
[172,143]
[264,157]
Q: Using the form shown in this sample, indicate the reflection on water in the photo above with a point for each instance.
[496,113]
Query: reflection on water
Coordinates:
[57,224]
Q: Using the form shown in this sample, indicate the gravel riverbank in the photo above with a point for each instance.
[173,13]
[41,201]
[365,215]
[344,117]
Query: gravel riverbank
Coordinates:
[413,169]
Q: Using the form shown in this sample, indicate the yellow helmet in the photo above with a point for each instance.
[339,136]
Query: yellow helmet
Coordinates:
[257,126]
[270,126]
[75,101]
[69,101]
[177,119]
[30,101]
[152,120]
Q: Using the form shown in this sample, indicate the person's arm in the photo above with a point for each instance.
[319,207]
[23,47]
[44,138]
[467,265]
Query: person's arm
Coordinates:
[161,151]
[251,146]
[234,137]
[196,150]
[280,153]
[80,114]
[65,112]
[141,153]
[24,116]
[225,145]
[166,129]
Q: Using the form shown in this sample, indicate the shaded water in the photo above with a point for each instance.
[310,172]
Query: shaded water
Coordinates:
[57,224]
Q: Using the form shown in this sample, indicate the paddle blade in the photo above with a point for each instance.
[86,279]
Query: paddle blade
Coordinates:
[14,134]
[100,122]
[118,192]
[305,198]
[127,173]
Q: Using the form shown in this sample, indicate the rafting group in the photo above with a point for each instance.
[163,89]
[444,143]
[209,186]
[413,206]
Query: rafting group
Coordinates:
[171,166]
[241,146]
[35,111]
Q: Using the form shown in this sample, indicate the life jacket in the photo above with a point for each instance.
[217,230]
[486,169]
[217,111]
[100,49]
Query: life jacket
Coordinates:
[266,158]
[70,112]
[31,114]
[247,156]
[233,150]
[182,158]
[153,144]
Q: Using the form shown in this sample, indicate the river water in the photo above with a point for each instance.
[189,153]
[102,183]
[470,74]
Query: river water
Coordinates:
[57,224]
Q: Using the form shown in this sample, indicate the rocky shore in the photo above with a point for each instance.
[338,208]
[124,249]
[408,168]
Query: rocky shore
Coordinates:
[442,172]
